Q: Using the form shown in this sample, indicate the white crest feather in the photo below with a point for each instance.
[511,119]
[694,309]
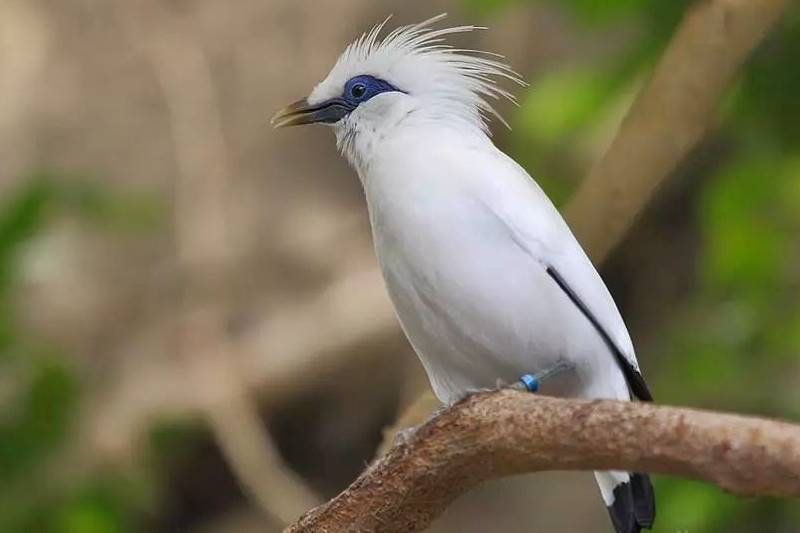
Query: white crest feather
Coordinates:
[416,59]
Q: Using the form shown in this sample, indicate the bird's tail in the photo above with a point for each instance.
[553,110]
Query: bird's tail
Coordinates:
[630,500]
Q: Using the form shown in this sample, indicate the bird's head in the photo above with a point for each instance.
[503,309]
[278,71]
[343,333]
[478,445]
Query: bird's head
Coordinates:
[378,83]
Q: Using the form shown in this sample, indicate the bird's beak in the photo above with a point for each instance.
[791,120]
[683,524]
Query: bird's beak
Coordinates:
[301,112]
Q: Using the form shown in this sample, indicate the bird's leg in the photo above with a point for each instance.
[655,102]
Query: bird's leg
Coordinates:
[531,382]
[527,382]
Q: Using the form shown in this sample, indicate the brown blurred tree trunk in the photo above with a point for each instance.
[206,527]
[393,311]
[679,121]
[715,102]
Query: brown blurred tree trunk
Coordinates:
[669,117]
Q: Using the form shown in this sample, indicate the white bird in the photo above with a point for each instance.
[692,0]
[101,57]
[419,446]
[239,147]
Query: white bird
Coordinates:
[487,280]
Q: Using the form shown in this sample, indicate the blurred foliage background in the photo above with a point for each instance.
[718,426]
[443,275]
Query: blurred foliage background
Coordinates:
[105,426]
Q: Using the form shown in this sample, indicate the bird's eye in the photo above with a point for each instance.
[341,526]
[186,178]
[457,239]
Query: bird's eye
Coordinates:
[358,90]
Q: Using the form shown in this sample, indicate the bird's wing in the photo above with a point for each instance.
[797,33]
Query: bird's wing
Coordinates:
[627,363]
[538,228]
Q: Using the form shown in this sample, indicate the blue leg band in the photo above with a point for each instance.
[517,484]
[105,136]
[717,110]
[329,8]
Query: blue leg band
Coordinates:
[531,382]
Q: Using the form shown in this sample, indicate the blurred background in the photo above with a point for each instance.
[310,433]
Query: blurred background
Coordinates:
[193,333]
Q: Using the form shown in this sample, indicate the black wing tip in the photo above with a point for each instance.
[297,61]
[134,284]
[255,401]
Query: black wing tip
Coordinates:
[634,506]
[638,385]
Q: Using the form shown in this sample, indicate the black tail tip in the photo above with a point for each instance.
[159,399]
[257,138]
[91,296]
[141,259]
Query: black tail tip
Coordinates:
[634,505]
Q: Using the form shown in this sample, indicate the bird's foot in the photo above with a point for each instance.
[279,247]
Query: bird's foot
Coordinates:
[531,382]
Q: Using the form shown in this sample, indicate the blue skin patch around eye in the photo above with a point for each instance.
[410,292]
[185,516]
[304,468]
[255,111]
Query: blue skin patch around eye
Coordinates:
[356,91]
[361,88]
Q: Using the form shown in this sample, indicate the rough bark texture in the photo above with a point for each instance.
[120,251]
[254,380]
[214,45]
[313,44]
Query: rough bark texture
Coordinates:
[669,117]
[495,434]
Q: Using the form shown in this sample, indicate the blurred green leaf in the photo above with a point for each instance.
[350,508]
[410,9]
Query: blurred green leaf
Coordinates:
[561,102]
[99,507]
[767,102]
[128,211]
[87,517]
[38,422]
[603,11]
[36,416]
[746,245]
[692,506]
[22,216]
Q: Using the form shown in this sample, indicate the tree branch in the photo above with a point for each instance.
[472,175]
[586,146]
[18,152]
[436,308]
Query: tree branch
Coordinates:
[495,434]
